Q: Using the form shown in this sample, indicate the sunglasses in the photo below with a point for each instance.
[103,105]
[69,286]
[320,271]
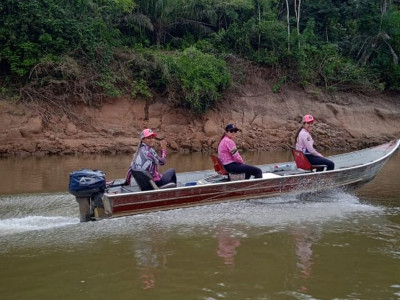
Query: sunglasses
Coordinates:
[233,130]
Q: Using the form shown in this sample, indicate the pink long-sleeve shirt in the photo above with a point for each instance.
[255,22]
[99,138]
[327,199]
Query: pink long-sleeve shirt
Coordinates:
[227,152]
[305,143]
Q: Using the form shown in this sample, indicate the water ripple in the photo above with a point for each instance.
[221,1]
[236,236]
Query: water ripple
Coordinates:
[18,225]
[52,219]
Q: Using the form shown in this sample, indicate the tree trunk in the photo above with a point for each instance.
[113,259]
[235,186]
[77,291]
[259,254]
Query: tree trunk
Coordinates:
[297,11]
[288,25]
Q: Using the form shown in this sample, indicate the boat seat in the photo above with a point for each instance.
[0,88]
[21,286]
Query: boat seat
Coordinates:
[128,177]
[302,162]
[145,181]
[220,169]
[218,166]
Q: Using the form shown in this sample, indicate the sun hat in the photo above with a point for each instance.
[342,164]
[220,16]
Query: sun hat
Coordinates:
[308,119]
[146,133]
[232,127]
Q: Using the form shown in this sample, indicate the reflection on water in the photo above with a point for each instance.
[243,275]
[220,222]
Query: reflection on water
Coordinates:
[305,238]
[150,256]
[335,245]
[227,244]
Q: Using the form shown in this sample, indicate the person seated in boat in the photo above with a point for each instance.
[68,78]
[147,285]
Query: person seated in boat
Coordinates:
[305,144]
[230,156]
[146,158]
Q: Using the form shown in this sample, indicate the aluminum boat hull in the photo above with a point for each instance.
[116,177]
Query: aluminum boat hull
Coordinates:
[351,170]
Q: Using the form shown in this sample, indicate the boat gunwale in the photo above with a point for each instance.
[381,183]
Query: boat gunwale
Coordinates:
[394,144]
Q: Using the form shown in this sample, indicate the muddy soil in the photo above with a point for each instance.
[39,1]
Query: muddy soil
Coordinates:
[269,122]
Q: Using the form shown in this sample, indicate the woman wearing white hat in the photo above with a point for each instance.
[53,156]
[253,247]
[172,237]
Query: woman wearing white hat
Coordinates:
[305,144]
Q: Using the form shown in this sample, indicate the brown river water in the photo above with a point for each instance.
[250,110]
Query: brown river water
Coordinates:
[338,245]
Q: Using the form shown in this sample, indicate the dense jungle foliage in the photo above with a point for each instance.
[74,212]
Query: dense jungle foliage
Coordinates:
[65,51]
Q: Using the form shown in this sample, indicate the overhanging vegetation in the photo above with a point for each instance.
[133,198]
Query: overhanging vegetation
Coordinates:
[60,52]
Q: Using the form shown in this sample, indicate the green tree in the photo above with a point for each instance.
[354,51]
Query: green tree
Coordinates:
[31,31]
[195,80]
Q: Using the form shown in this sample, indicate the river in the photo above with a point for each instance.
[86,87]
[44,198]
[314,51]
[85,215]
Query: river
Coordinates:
[338,245]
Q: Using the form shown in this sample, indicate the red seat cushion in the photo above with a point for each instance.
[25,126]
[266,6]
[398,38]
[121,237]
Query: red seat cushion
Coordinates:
[218,167]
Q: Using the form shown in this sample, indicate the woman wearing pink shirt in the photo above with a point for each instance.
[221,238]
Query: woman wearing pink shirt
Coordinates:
[230,156]
[305,144]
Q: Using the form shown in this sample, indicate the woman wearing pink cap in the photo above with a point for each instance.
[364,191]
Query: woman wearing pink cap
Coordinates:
[305,144]
[230,156]
[146,158]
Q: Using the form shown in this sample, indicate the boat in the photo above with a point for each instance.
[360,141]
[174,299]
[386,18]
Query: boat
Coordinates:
[122,197]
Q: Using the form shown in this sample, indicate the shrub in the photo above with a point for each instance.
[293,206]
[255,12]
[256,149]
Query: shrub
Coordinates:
[194,79]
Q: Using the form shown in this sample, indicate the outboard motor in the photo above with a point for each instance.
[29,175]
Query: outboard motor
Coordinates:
[88,187]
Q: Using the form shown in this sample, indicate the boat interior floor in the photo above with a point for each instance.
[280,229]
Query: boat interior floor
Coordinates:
[291,172]
[130,189]
[221,178]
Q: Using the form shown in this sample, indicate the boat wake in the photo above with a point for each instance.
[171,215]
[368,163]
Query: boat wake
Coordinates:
[52,219]
[22,213]
[276,211]
[18,225]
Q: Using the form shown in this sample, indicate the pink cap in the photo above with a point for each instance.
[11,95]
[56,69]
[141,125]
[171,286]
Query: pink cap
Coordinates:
[308,119]
[146,133]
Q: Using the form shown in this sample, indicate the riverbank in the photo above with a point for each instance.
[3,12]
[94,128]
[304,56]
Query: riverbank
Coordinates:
[269,122]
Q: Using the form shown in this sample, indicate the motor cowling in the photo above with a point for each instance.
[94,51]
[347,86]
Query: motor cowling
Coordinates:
[86,182]
[88,187]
